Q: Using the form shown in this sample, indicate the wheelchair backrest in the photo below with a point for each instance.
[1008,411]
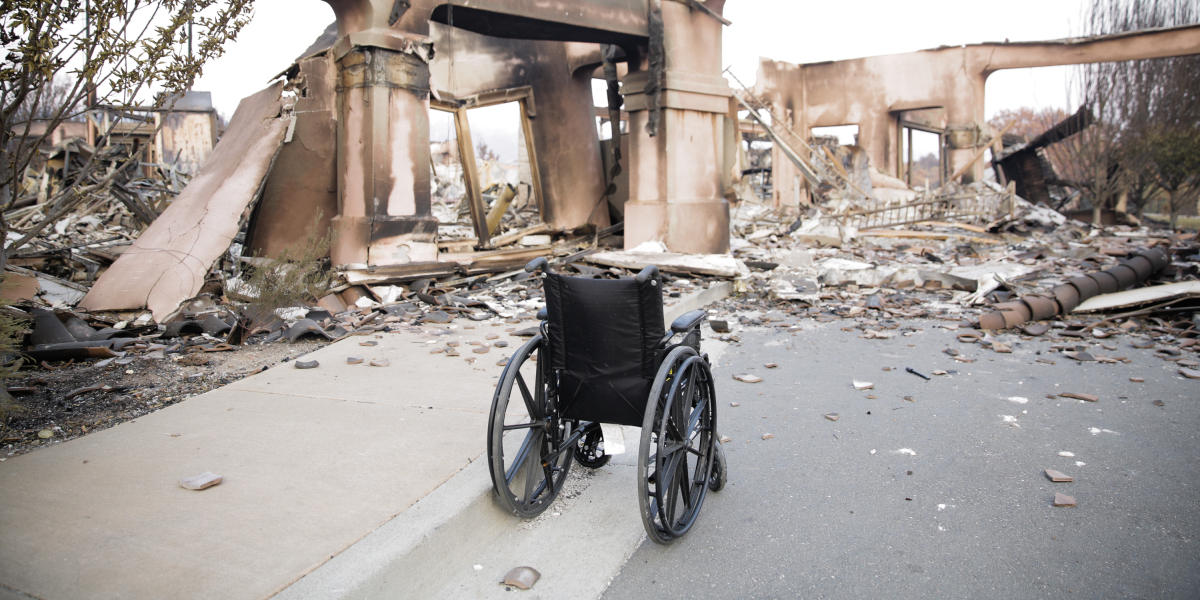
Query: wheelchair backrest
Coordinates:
[604,337]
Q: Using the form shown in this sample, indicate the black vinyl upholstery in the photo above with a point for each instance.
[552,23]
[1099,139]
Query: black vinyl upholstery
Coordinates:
[604,335]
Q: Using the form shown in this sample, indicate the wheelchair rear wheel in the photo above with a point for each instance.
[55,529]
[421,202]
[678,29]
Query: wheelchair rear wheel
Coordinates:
[527,451]
[678,446]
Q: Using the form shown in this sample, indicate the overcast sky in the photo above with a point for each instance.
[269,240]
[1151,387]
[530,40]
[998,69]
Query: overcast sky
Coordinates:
[789,30]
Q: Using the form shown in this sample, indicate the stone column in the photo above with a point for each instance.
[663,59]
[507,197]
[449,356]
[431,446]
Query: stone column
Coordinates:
[676,194]
[382,58]
[383,159]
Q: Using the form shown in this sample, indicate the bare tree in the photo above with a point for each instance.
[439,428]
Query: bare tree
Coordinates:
[60,58]
[1147,137]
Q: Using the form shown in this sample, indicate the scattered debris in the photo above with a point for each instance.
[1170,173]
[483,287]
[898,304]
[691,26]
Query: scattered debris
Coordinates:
[747,378]
[910,370]
[863,385]
[1058,477]
[831,416]
[1063,500]
[354,360]
[380,362]
[767,436]
[1078,396]
[307,364]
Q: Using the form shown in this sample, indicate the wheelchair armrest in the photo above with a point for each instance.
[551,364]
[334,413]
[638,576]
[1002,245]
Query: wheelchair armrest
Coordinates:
[541,314]
[648,273]
[687,321]
[538,263]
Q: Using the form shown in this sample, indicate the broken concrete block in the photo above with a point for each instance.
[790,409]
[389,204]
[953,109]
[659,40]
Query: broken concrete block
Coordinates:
[1190,373]
[201,481]
[1063,500]
[380,362]
[1059,477]
[354,360]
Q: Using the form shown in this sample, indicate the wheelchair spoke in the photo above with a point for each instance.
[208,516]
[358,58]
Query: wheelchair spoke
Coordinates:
[520,458]
[532,468]
[667,493]
[521,426]
[530,405]
[684,482]
[674,447]
[695,417]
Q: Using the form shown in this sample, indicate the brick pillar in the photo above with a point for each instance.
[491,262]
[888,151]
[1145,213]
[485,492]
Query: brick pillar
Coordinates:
[676,189]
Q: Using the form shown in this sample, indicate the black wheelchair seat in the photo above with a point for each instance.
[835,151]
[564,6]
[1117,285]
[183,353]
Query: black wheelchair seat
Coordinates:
[604,338]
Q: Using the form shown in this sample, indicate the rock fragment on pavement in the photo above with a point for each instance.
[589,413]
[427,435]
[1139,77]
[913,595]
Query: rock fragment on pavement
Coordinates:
[522,577]
[1063,500]
[202,481]
[1058,477]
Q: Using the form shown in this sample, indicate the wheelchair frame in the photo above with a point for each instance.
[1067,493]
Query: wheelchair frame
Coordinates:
[679,421]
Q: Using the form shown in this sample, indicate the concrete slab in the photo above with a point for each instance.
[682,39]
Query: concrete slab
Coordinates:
[309,470]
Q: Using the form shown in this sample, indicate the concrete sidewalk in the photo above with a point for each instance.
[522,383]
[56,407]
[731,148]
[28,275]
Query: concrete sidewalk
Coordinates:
[313,460]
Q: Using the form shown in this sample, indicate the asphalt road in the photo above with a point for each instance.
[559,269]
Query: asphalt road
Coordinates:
[943,496]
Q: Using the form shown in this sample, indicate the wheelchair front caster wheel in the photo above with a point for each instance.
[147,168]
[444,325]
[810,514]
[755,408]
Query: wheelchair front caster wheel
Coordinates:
[720,473]
[589,453]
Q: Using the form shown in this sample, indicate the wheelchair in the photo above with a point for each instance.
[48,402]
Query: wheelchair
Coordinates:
[603,355]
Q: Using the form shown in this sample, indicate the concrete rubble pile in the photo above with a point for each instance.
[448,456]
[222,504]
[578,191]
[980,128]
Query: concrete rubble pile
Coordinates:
[1027,271]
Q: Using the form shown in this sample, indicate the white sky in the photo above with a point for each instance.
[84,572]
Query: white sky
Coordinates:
[789,30]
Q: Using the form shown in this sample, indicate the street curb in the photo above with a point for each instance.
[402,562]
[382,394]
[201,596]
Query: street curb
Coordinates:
[399,558]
